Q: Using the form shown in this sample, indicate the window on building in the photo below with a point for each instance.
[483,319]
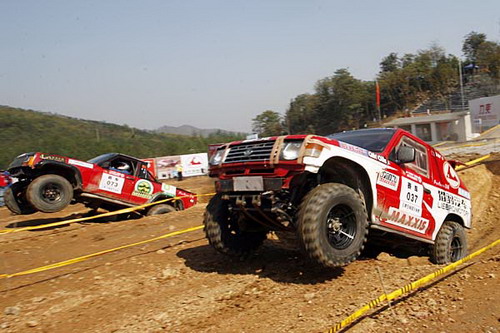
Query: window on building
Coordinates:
[424,132]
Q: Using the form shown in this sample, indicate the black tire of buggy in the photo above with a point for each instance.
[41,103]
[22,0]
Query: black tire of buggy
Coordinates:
[160,209]
[15,200]
[312,224]
[450,232]
[234,243]
[33,193]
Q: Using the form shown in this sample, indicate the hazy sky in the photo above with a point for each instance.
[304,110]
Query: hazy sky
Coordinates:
[208,63]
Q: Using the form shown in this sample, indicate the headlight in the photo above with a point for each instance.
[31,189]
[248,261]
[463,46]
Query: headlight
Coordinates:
[216,158]
[291,150]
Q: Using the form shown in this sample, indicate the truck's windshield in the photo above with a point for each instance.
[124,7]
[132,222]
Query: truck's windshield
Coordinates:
[370,139]
[101,158]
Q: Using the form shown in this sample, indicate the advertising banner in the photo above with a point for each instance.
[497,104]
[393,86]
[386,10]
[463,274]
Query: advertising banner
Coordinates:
[192,165]
[485,112]
[166,166]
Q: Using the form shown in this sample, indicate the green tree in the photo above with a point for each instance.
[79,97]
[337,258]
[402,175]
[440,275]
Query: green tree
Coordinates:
[471,44]
[268,123]
[340,102]
[301,114]
[488,57]
[391,63]
[27,131]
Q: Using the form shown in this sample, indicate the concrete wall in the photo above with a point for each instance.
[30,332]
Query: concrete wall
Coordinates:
[461,129]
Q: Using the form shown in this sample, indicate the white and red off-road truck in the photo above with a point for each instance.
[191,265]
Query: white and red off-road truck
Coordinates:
[336,193]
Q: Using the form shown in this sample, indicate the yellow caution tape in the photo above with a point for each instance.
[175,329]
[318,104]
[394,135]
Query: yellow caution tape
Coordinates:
[407,288]
[466,145]
[490,130]
[116,212]
[88,256]
[441,143]
[476,161]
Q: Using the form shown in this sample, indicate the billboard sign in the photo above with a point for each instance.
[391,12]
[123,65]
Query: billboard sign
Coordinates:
[194,164]
[485,112]
[166,166]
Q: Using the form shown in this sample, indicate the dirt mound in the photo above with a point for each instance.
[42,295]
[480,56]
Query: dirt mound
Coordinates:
[180,284]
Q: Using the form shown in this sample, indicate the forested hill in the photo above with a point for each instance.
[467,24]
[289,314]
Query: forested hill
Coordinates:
[26,131]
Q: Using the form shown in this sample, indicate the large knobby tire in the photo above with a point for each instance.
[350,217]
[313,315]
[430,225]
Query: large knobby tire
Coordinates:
[15,199]
[223,232]
[332,224]
[450,244]
[160,209]
[50,193]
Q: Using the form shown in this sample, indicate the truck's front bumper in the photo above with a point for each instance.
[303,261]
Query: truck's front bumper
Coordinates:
[249,184]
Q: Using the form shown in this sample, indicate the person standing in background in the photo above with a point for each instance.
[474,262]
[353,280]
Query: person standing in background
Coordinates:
[178,168]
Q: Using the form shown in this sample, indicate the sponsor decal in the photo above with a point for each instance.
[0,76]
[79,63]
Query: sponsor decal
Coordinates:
[464,193]
[143,189]
[407,221]
[438,183]
[413,176]
[451,175]
[377,157]
[116,173]
[388,180]
[81,163]
[52,158]
[111,183]
[257,139]
[169,189]
[410,198]
[352,148]
[453,203]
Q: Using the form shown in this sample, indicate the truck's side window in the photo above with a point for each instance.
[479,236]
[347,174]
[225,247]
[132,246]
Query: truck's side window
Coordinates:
[143,173]
[421,164]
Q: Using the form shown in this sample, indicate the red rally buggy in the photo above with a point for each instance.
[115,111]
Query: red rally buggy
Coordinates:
[48,183]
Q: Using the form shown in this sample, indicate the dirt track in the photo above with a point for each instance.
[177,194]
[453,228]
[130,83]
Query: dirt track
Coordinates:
[180,284]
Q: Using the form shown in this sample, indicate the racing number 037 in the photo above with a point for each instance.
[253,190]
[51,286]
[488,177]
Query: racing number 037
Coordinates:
[411,197]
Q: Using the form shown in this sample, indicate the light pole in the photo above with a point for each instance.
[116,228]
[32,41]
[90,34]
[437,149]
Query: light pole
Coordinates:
[461,83]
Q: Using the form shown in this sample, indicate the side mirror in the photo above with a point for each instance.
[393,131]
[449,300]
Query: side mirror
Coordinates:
[105,165]
[405,155]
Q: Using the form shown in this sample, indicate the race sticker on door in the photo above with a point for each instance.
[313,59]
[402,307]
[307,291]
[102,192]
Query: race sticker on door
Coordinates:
[111,183]
[388,180]
[410,200]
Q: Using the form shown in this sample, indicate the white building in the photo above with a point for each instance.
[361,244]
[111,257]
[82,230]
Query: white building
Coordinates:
[454,126]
